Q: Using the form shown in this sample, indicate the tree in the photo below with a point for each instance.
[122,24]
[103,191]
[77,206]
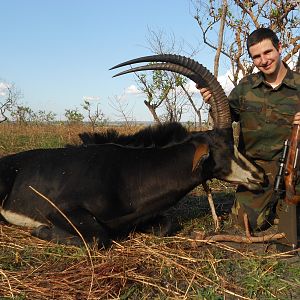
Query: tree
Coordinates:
[22,114]
[162,89]
[41,116]
[241,18]
[73,116]
[298,64]
[167,94]
[123,112]
[9,97]
[94,116]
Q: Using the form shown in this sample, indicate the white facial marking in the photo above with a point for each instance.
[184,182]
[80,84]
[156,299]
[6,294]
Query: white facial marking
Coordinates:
[247,174]
[19,219]
[237,174]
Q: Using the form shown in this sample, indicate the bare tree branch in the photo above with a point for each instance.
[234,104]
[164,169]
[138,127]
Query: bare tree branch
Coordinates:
[283,16]
[220,38]
[8,100]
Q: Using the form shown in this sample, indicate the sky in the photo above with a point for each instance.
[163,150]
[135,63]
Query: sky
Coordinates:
[59,52]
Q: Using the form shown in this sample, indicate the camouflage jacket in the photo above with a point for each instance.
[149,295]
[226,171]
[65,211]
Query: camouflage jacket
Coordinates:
[265,114]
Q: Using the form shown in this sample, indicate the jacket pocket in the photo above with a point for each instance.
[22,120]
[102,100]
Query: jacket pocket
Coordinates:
[284,114]
[251,115]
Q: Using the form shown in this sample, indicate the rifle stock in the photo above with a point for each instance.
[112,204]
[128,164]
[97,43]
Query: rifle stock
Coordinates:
[288,172]
[292,167]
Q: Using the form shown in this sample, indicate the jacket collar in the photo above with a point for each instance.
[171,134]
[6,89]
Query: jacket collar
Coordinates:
[288,80]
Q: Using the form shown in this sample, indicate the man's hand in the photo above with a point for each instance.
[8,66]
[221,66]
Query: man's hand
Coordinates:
[296,120]
[206,94]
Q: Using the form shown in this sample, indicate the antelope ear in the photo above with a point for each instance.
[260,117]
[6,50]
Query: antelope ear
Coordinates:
[201,153]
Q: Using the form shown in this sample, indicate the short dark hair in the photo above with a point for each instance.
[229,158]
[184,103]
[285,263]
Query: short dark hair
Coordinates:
[261,34]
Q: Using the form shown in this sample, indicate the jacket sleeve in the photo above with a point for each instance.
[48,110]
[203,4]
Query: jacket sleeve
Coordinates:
[234,104]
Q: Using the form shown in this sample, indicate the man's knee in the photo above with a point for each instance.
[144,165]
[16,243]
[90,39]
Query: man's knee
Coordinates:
[258,219]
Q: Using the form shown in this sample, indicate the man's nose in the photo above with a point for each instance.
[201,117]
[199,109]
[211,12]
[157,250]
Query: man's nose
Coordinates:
[264,59]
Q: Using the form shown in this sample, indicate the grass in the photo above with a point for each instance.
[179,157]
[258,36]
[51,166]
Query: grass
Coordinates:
[15,138]
[142,266]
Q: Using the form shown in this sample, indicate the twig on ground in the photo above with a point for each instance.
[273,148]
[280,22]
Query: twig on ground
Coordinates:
[247,227]
[207,189]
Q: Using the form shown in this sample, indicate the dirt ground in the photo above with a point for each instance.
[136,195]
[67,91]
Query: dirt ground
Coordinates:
[194,211]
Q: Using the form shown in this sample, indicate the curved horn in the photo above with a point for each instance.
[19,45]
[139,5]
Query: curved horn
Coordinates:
[171,58]
[196,72]
[167,67]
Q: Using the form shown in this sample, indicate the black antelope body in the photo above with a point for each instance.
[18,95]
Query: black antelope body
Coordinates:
[109,189]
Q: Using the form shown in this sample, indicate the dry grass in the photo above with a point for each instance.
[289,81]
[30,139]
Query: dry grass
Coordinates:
[15,138]
[143,266]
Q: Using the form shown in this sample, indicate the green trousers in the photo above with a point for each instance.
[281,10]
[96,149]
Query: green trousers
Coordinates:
[260,206]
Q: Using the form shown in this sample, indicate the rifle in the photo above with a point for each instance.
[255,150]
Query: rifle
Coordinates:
[292,167]
[288,172]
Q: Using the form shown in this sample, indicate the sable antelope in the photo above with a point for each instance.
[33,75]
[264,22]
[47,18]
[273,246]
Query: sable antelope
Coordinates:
[108,190]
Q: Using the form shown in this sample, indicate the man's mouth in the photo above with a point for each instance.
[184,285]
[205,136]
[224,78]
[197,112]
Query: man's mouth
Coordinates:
[267,67]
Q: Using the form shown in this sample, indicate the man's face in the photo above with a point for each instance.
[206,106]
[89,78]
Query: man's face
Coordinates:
[265,56]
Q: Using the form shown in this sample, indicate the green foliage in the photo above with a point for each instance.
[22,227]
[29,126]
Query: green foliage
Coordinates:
[19,297]
[25,115]
[22,114]
[208,293]
[44,117]
[95,116]
[164,91]
[132,292]
[73,116]
[262,281]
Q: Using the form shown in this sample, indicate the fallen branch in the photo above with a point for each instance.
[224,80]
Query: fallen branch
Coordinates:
[245,239]
[238,238]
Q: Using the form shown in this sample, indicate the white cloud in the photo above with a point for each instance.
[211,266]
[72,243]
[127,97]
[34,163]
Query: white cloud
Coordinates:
[3,89]
[91,98]
[191,87]
[132,90]
[225,82]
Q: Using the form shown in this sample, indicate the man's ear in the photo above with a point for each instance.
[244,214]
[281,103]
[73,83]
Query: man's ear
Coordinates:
[279,47]
[201,153]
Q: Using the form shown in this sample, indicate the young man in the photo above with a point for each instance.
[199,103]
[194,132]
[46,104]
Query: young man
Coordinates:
[266,104]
